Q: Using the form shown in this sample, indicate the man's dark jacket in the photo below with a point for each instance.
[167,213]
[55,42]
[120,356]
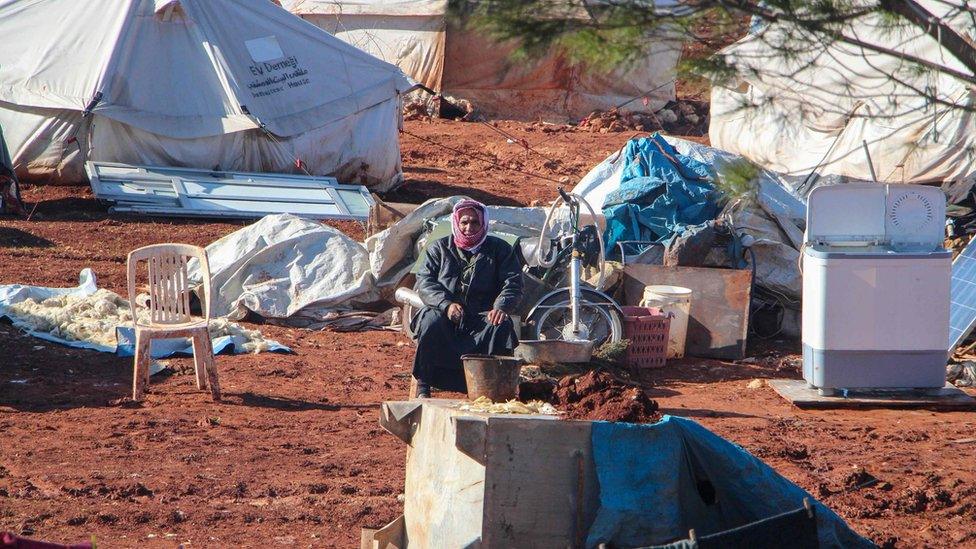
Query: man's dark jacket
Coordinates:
[495,284]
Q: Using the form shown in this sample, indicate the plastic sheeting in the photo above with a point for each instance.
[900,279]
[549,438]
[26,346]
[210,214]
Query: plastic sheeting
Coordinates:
[228,68]
[659,481]
[304,273]
[394,251]
[417,36]
[814,110]
[659,194]
[774,214]
[87,285]
[284,264]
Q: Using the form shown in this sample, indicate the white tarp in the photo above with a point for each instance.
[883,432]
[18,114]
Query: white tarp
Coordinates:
[814,111]
[191,82]
[284,264]
[417,36]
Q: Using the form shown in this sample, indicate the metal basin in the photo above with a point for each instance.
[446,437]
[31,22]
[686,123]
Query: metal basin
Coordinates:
[495,377]
[554,351]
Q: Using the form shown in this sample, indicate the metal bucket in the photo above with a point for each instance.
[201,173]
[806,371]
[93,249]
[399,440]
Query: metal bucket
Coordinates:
[495,377]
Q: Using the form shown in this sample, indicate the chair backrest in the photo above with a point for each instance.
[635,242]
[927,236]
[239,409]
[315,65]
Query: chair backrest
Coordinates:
[169,288]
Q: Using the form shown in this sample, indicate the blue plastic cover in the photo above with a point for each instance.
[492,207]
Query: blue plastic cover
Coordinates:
[165,348]
[661,192]
[658,481]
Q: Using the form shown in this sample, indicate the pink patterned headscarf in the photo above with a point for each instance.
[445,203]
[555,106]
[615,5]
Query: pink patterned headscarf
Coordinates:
[461,240]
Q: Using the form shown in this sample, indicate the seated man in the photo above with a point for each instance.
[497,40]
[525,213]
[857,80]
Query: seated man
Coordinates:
[470,283]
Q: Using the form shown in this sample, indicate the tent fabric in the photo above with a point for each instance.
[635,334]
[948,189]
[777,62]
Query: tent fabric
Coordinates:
[415,42]
[413,8]
[658,481]
[9,189]
[816,110]
[417,36]
[219,67]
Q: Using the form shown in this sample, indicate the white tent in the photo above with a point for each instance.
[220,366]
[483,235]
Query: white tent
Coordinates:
[417,36]
[817,110]
[227,84]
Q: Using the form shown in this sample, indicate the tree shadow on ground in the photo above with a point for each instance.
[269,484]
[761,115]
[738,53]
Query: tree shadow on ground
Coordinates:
[250,399]
[39,375]
[91,209]
[702,412]
[416,191]
[11,237]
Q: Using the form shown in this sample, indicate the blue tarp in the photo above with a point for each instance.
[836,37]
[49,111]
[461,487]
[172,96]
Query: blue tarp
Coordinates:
[658,481]
[165,348]
[661,192]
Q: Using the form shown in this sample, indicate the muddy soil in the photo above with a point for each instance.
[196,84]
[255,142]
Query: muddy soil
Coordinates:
[597,395]
[294,454]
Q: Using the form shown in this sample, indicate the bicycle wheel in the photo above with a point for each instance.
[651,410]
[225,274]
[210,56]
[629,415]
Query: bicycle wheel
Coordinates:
[599,320]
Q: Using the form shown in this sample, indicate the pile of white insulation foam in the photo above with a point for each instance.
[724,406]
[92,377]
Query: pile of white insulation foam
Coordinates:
[93,319]
[485,405]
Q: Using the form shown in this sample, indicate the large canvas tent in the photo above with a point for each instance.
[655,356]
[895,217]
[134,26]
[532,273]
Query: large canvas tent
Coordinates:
[417,36]
[834,106]
[9,191]
[226,84]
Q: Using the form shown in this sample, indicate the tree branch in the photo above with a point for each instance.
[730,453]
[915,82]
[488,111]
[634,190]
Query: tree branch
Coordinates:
[959,45]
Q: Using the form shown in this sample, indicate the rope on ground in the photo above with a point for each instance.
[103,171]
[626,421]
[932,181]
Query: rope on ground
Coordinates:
[521,141]
[480,157]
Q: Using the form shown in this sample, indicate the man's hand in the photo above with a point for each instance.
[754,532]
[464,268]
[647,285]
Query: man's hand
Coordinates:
[455,312]
[497,316]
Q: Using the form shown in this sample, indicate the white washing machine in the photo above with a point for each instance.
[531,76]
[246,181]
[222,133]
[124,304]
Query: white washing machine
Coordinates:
[875,288]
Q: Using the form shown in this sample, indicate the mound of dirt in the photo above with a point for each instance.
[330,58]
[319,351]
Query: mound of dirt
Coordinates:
[597,395]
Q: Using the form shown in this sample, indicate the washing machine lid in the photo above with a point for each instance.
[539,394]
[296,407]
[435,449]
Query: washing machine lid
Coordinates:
[915,216]
[846,215]
[910,217]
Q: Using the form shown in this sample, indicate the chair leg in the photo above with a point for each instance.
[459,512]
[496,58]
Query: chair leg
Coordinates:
[140,366]
[413,388]
[211,368]
[200,350]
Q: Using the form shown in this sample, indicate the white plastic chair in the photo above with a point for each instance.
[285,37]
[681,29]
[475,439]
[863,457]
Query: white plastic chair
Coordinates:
[169,311]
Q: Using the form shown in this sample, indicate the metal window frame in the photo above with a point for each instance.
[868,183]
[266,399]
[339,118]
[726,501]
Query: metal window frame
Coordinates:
[161,190]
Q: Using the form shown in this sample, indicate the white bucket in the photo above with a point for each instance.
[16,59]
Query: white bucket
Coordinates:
[677,301]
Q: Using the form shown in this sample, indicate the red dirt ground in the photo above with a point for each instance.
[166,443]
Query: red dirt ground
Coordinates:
[294,455]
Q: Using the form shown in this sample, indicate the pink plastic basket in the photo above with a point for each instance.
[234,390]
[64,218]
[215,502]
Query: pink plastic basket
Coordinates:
[647,329]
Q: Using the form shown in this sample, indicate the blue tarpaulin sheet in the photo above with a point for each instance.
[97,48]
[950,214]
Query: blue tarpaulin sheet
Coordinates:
[661,480]
[661,192]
